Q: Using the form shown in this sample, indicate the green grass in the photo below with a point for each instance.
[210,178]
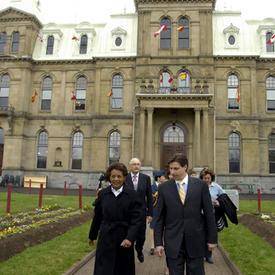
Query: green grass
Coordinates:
[251,206]
[250,253]
[52,257]
[25,202]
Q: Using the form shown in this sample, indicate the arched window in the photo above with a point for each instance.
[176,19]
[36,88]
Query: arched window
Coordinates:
[46,97]
[77,145]
[81,86]
[270,93]
[173,134]
[117,90]
[271,153]
[233,92]
[234,153]
[3,41]
[4,90]
[165,83]
[15,42]
[50,43]
[83,44]
[183,35]
[114,147]
[269,47]
[165,35]
[183,83]
[42,150]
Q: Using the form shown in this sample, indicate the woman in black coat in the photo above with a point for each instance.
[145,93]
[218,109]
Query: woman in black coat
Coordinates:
[117,216]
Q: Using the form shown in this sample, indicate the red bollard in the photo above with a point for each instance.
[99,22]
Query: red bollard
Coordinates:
[40,195]
[30,186]
[259,200]
[65,184]
[80,196]
[237,187]
[9,198]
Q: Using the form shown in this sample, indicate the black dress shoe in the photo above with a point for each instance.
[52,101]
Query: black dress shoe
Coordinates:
[140,257]
[209,260]
[152,251]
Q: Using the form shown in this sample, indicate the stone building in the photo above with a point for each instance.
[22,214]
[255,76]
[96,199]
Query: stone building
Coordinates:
[105,92]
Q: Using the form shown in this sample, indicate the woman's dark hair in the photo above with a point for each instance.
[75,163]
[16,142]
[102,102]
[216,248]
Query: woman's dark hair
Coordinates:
[116,166]
[207,171]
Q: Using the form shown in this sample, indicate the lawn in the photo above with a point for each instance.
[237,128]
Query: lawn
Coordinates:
[25,202]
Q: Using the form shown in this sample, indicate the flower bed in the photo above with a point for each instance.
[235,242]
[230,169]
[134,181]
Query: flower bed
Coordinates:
[22,230]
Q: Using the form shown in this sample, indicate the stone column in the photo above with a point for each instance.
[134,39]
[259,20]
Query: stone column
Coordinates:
[149,137]
[141,133]
[205,148]
[197,139]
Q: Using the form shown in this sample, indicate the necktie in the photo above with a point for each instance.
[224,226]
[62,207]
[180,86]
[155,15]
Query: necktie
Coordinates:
[135,182]
[181,192]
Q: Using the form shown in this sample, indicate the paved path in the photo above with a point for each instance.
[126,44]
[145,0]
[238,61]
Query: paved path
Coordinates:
[154,265]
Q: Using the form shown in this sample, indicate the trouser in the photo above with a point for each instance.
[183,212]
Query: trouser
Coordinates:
[194,266]
[141,237]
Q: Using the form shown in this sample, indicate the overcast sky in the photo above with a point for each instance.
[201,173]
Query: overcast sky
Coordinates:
[66,11]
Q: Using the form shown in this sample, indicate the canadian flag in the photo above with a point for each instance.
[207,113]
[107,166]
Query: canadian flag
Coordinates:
[163,28]
[272,39]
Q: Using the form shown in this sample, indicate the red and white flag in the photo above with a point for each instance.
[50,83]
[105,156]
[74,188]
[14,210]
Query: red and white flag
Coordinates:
[39,37]
[73,96]
[163,28]
[170,79]
[272,39]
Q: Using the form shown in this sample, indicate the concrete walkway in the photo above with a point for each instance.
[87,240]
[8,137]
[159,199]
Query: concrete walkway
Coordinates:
[154,265]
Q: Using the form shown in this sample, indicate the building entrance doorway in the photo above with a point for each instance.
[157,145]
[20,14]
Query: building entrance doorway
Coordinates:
[173,140]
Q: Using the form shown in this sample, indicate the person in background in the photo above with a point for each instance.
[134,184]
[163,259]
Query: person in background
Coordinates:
[117,216]
[215,191]
[159,178]
[141,183]
[192,173]
[181,220]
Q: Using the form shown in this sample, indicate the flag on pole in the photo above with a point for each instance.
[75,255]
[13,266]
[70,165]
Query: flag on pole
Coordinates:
[272,39]
[180,28]
[110,93]
[170,79]
[163,28]
[39,37]
[238,95]
[182,76]
[161,77]
[73,96]
[34,96]
[74,38]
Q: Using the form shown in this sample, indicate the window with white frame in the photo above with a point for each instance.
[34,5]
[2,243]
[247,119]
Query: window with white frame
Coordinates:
[270,93]
[77,144]
[117,92]
[50,44]
[4,90]
[234,153]
[233,92]
[269,46]
[46,96]
[42,150]
[114,147]
[83,44]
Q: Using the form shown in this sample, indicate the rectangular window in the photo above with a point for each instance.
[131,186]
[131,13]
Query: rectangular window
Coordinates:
[4,97]
[234,161]
[46,100]
[42,157]
[116,99]
[15,42]
[77,158]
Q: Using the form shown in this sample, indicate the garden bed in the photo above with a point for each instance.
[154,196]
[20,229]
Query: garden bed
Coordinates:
[34,227]
[262,225]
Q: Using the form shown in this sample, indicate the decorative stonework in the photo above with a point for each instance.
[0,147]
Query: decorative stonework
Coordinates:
[231,37]
[118,33]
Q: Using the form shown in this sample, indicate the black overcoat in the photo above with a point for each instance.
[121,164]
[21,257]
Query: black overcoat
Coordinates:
[116,219]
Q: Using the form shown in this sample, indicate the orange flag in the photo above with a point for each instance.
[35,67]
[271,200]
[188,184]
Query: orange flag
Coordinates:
[110,93]
[74,38]
[182,76]
[34,96]
[238,95]
[180,28]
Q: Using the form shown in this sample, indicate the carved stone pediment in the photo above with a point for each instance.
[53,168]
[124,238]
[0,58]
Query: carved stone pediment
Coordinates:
[231,29]
[118,31]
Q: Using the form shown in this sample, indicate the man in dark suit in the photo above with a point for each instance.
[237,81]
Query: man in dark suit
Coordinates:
[142,184]
[185,218]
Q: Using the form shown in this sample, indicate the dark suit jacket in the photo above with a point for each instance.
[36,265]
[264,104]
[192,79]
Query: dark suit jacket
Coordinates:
[144,191]
[192,222]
